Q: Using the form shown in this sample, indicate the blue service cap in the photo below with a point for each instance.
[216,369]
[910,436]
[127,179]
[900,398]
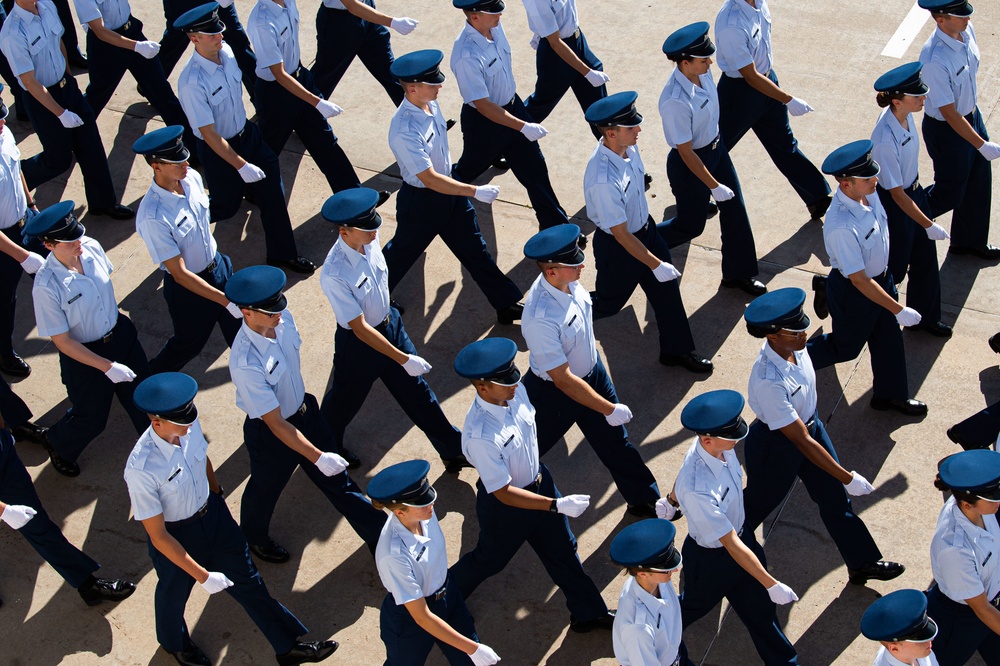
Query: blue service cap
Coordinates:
[403,483]
[717,414]
[615,110]
[491,359]
[419,67]
[56,224]
[354,207]
[258,288]
[3,107]
[169,396]
[976,472]
[852,161]
[904,79]
[777,310]
[163,145]
[484,6]
[556,245]
[899,616]
[691,41]
[203,18]
[647,544]
[953,7]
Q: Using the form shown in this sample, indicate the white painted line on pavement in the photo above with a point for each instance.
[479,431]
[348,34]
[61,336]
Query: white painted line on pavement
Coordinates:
[906,32]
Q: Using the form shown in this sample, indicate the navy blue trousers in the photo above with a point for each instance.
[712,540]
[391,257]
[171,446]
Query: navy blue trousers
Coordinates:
[556,412]
[739,254]
[340,37]
[773,462]
[61,145]
[741,108]
[227,189]
[406,644]
[356,366]
[857,320]
[982,428]
[13,409]
[912,251]
[43,535]
[711,574]
[10,278]
[279,113]
[215,542]
[194,319]
[619,273]
[963,180]
[90,391]
[960,633]
[423,214]
[272,464]
[8,75]
[486,140]
[504,529]
[555,77]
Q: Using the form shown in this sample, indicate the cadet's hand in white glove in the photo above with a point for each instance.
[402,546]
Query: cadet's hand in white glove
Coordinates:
[251,173]
[858,486]
[69,119]
[666,272]
[234,310]
[798,107]
[119,373]
[17,515]
[533,131]
[32,263]
[404,25]
[620,416]
[936,232]
[328,109]
[722,193]
[990,150]
[781,594]
[908,317]
[487,193]
[664,509]
[147,49]
[484,656]
[331,464]
[597,78]
[572,505]
[416,366]
[216,582]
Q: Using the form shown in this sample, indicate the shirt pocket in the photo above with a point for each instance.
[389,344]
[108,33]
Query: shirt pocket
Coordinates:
[183,224]
[274,369]
[75,306]
[871,238]
[572,333]
[362,287]
[217,95]
[36,42]
[173,484]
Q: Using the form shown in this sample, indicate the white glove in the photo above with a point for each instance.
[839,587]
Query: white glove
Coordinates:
[908,317]
[597,78]
[781,594]
[69,119]
[404,25]
[858,486]
[666,272]
[722,193]
[32,263]
[119,373]
[936,232]
[416,366]
[533,131]
[234,310]
[331,464]
[620,416]
[484,656]
[251,173]
[226,3]
[798,107]
[486,193]
[328,109]
[990,150]
[216,582]
[17,515]
[572,505]
[147,49]
[665,510]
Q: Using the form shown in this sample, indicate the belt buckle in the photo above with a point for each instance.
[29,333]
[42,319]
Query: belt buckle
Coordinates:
[107,336]
[128,24]
[62,82]
[302,409]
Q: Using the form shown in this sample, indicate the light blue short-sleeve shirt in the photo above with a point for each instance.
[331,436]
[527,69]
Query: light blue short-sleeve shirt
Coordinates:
[743,36]
[483,67]
[266,371]
[411,566]
[356,283]
[13,201]
[856,236]
[689,113]
[559,328]
[113,13]
[647,629]
[710,491]
[950,71]
[166,479]
[614,189]
[502,442]
[779,392]
[548,16]
[212,94]
[884,658]
[174,225]
[419,141]
[274,32]
[964,557]
[897,150]
[31,43]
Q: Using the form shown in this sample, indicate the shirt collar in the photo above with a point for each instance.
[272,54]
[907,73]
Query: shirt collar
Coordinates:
[478,38]
[683,81]
[413,109]
[263,343]
[896,128]
[748,11]
[614,157]
[497,411]
[165,447]
[855,208]
[561,297]
[652,604]
[777,361]
[272,6]
[206,64]
[409,539]
[948,41]
[714,464]
[352,255]
[974,532]
[61,272]
[23,14]
[171,199]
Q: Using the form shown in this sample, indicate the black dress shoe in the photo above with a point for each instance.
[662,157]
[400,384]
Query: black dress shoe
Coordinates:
[692,362]
[393,303]
[78,60]
[15,366]
[967,444]
[383,196]
[818,209]
[881,570]
[308,653]
[510,314]
[30,432]
[988,252]
[272,552]
[116,212]
[820,306]
[192,656]
[713,209]
[65,467]
[603,622]
[296,265]
[995,342]
[500,164]
[101,589]
[647,179]
[644,510]
[909,407]
[752,286]
[353,461]
[448,124]
[938,329]
[456,464]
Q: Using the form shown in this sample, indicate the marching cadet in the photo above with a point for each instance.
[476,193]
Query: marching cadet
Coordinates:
[495,122]
[861,290]
[99,350]
[789,440]
[192,535]
[283,429]
[899,621]
[231,148]
[568,383]
[371,342]
[721,555]
[424,605]
[954,131]
[912,233]
[516,499]
[965,552]
[689,110]
[174,223]
[430,202]
[628,248]
[62,118]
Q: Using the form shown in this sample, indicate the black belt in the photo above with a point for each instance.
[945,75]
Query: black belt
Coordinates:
[383,325]
[61,83]
[811,422]
[207,271]
[711,145]
[301,410]
[534,485]
[439,595]
[123,28]
[509,106]
[575,35]
[238,134]
[17,226]
[198,515]
[914,187]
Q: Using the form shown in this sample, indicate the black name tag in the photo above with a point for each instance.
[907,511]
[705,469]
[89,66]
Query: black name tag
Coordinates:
[36,41]
[77,297]
[214,92]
